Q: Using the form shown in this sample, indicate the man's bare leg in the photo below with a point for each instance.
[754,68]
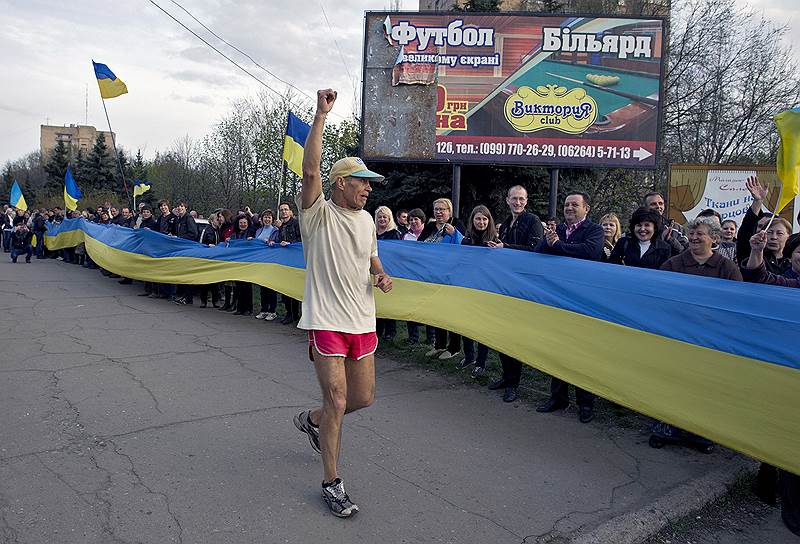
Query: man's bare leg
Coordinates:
[346,386]
[333,384]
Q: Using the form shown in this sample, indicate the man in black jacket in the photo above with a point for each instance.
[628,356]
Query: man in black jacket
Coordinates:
[185,228]
[166,222]
[147,221]
[523,231]
[290,233]
[21,242]
[577,237]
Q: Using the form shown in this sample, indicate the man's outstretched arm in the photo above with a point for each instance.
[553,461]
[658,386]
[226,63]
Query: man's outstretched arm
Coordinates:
[312,152]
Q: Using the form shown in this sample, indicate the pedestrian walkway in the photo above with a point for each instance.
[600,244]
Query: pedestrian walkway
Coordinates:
[129,418]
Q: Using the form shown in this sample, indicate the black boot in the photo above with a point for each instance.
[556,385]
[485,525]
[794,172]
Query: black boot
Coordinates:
[228,299]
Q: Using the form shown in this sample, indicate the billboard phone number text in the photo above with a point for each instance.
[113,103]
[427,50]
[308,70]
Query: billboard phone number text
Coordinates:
[588,151]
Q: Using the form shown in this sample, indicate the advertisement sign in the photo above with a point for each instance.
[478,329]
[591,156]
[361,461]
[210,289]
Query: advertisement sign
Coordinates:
[721,187]
[725,193]
[515,89]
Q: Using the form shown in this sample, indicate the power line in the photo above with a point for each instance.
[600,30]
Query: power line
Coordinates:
[226,57]
[223,40]
[335,41]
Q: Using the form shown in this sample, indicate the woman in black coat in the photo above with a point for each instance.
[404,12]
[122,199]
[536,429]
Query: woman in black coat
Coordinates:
[642,247]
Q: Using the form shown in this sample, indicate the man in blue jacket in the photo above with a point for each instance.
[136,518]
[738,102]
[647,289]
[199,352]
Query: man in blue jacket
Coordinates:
[580,238]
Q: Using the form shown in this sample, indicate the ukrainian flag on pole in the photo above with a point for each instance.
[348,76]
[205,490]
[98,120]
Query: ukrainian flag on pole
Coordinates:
[72,194]
[294,142]
[16,199]
[140,187]
[110,85]
[788,123]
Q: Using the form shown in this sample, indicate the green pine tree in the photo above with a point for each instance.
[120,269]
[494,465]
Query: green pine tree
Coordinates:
[56,167]
[99,167]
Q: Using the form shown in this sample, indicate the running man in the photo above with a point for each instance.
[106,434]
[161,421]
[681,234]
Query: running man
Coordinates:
[341,252]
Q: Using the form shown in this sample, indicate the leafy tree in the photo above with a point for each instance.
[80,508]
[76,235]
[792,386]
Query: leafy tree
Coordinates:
[477,5]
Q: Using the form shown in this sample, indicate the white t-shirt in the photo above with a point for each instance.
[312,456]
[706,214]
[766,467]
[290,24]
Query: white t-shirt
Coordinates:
[338,244]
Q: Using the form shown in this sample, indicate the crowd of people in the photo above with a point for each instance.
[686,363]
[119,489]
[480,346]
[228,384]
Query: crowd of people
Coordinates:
[762,249]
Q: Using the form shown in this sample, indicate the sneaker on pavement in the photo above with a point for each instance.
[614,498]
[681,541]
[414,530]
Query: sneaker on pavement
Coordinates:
[261,315]
[179,300]
[433,352]
[478,371]
[337,500]
[446,355]
[303,423]
[271,316]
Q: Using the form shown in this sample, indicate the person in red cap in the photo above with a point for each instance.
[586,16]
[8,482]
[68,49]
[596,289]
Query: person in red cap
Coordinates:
[341,253]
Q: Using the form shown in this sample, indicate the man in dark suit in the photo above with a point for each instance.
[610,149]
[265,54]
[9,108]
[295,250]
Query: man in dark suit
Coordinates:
[580,238]
[523,231]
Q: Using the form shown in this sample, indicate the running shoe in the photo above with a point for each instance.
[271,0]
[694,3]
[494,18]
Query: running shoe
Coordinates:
[337,500]
[262,315]
[446,355]
[270,316]
[433,352]
[303,423]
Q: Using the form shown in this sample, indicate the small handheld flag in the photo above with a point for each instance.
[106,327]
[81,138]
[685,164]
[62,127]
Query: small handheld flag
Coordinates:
[788,123]
[140,187]
[72,194]
[294,143]
[110,85]
[16,199]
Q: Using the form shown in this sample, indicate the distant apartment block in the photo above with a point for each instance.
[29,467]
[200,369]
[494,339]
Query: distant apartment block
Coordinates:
[79,137]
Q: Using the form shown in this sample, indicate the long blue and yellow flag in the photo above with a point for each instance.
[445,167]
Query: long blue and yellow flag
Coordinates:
[110,85]
[72,194]
[293,144]
[140,187]
[658,342]
[16,199]
[788,123]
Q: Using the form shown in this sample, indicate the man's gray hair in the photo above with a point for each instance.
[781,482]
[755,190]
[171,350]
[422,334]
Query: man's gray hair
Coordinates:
[714,228]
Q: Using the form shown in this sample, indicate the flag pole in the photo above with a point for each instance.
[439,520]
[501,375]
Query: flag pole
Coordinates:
[114,145]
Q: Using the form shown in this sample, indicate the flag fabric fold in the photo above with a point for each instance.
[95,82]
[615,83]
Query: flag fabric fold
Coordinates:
[788,123]
[590,324]
[110,85]
[294,143]
[16,199]
[72,194]
[140,187]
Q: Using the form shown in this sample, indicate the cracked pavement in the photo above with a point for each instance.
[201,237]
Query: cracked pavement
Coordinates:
[127,419]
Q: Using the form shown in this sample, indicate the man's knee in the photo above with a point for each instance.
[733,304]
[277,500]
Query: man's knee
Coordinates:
[336,401]
[361,399]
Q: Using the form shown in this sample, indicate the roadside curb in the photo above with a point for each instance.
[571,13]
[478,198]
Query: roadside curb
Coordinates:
[634,527]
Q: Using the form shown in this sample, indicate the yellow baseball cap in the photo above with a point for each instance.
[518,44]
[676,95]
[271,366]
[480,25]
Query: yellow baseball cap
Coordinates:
[355,167]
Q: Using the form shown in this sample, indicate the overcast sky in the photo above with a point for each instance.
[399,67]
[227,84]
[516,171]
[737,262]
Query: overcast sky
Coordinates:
[177,85]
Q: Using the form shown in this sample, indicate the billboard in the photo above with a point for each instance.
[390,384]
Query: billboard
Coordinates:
[720,187]
[512,88]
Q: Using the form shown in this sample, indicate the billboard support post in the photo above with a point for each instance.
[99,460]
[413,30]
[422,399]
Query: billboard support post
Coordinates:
[553,192]
[456,196]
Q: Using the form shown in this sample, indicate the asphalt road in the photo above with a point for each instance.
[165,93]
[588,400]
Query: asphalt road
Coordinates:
[128,419]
